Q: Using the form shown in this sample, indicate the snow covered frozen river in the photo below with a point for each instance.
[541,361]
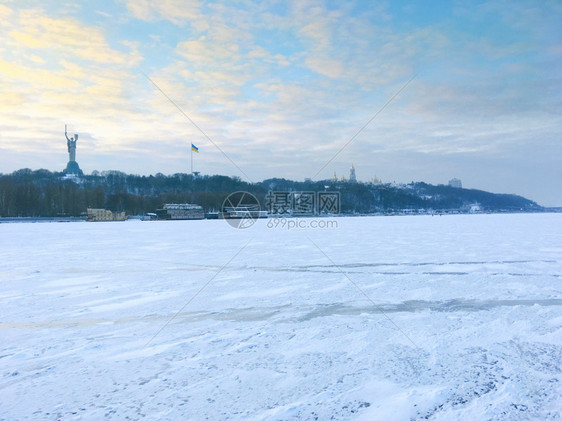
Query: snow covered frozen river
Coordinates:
[407,317]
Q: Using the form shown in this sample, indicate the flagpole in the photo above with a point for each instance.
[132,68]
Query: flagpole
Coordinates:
[191,149]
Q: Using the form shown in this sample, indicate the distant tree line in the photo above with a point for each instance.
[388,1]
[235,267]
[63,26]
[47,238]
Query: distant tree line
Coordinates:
[43,193]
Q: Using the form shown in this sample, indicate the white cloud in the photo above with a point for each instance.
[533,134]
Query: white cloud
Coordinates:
[325,66]
[5,13]
[67,36]
[203,52]
[178,12]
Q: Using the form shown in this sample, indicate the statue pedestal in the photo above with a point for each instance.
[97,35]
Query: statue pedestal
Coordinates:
[73,168]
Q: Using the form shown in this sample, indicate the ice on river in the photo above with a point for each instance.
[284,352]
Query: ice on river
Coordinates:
[451,317]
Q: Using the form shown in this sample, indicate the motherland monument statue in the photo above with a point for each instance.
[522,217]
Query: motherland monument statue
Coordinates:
[72,167]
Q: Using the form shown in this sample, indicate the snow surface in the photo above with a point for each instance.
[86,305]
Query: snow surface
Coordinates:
[407,317]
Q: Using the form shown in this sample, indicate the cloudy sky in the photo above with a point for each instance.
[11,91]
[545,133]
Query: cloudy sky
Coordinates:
[282,86]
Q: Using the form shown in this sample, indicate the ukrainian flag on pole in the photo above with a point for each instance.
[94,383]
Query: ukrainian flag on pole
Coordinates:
[193,149]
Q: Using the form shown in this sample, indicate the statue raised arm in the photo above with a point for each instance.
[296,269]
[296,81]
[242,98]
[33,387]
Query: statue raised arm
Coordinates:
[72,139]
[66,134]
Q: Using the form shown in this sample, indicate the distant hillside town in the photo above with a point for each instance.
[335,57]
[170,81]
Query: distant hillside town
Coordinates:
[112,195]
[28,193]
